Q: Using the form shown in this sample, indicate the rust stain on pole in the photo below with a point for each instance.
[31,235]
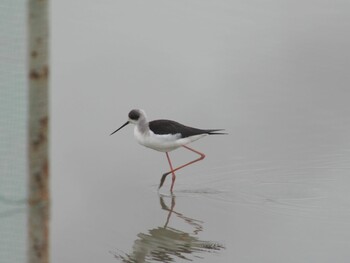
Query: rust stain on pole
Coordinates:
[38,121]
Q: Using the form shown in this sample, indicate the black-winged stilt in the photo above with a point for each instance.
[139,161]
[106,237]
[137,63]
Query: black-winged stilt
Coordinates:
[166,136]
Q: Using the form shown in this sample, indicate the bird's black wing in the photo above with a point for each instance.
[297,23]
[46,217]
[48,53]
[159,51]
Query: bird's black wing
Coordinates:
[173,127]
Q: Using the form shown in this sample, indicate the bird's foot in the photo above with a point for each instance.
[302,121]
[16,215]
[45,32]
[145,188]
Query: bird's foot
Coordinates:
[162,180]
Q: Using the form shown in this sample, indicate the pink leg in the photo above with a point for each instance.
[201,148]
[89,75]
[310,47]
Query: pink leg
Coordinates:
[202,156]
[171,168]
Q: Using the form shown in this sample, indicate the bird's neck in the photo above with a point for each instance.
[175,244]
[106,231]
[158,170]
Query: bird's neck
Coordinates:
[142,126]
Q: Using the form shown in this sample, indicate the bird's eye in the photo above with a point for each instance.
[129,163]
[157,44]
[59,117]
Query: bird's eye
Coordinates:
[134,115]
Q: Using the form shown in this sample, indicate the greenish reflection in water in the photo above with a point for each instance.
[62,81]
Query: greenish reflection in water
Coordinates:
[166,244]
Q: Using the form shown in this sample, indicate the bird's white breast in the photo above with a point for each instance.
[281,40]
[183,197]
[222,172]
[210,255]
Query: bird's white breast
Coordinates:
[163,142]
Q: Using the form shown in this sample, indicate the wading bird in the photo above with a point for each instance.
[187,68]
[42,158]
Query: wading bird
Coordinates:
[166,136]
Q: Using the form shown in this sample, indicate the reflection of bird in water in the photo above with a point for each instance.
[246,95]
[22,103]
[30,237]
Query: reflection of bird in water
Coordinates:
[166,136]
[165,244]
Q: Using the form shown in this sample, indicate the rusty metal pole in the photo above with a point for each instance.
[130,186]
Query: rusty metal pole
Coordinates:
[38,120]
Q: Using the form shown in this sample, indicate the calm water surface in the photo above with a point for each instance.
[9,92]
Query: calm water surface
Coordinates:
[274,75]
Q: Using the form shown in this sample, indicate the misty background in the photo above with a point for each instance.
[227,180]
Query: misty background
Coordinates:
[274,74]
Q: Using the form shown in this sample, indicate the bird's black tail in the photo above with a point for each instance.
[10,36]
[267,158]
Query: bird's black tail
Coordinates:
[216,132]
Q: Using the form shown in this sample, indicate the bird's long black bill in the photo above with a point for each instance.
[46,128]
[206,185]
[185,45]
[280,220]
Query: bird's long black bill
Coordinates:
[120,128]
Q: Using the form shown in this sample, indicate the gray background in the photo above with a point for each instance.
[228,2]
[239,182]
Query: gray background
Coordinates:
[13,131]
[274,74]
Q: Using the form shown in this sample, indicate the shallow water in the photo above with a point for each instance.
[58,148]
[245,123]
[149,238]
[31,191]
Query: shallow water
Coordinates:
[274,76]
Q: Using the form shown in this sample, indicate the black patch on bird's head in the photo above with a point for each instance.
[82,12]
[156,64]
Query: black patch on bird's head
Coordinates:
[134,115]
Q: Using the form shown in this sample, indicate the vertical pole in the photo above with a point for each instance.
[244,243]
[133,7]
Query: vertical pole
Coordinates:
[38,66]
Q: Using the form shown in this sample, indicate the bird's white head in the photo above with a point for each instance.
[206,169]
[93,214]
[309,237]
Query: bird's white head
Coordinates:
[136,117]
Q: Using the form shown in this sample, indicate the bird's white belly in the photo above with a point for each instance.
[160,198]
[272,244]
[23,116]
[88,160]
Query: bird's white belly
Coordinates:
[164,142]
